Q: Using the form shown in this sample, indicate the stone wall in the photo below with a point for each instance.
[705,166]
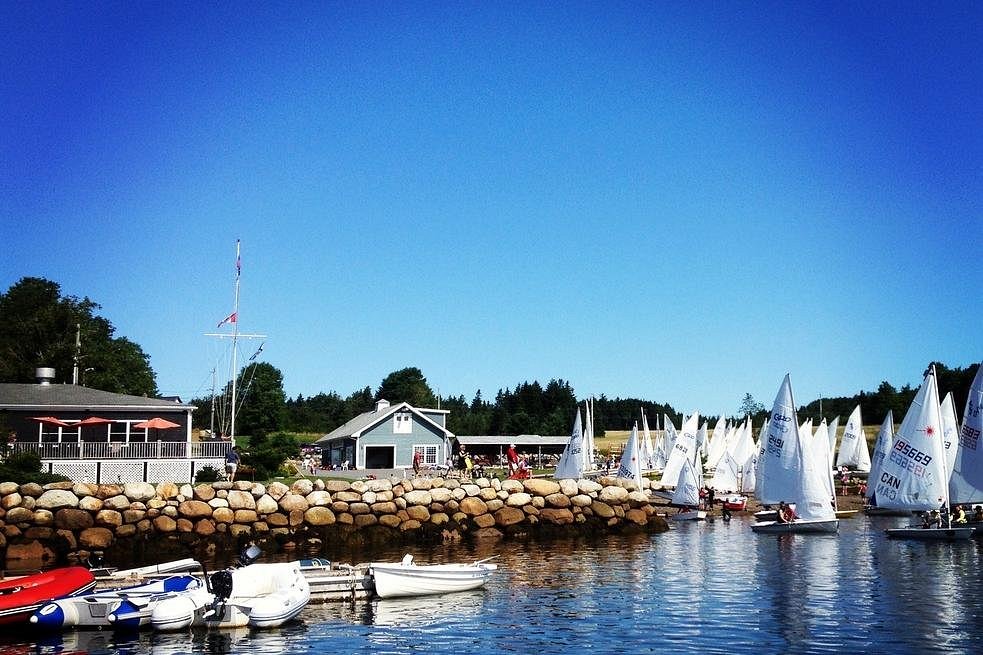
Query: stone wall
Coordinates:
[64,521]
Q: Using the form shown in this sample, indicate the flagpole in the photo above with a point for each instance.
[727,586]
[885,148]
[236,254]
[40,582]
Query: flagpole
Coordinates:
[235,339]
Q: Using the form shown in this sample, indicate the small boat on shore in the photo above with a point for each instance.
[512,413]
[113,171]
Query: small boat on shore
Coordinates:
[407,578]
[21,597]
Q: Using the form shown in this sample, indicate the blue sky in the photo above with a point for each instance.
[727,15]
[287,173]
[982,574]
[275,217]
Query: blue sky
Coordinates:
[675,201]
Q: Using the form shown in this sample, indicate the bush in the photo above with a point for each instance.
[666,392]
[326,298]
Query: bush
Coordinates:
[207,474]
[25,467]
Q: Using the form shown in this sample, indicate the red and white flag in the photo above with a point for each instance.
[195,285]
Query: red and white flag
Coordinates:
[231,318]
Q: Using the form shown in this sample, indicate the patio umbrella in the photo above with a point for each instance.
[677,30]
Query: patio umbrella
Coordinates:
[157,423]
[51,420]
[94,420]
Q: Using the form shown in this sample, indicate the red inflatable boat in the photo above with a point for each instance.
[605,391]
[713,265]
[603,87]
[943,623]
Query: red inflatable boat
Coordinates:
[20,597]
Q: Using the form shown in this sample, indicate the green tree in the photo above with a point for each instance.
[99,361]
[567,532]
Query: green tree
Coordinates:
[38,328]
[407,385]
[749,406]
[262,400]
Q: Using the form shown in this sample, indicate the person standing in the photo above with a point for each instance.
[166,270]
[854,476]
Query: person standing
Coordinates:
[417,460]
[232,460]
[513,459]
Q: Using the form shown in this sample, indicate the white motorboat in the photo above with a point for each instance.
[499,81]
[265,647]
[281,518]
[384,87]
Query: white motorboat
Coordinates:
[256,595]
[409,579]
[97,610]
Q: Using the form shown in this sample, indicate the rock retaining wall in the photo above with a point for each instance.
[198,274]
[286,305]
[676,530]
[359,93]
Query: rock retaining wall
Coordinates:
[64,521]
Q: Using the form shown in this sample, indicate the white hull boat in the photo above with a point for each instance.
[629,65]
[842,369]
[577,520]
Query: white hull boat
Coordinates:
[99,609]
[797,526]
[689,515]
[409,579]
[261,596]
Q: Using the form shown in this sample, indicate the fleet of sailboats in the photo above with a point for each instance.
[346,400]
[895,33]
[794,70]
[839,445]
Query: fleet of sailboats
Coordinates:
[930,464]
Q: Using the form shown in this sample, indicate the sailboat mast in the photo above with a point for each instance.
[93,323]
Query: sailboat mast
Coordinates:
[235,338]
[945,486]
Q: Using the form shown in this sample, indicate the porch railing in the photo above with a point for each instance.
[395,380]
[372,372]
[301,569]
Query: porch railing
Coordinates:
[123,450]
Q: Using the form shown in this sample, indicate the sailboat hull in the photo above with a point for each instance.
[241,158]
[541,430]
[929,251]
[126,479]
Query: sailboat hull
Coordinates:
[931,534]
[887,511]
[691,515]
[798,526]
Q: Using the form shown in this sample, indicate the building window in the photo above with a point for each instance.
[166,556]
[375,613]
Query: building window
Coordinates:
[403,423]
[429,454]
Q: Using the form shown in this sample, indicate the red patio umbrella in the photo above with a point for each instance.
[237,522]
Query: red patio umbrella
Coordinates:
[157,423]
[94,420]
[51,420]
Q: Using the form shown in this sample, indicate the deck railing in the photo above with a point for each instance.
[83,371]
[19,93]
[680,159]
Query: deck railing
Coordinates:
[123,450]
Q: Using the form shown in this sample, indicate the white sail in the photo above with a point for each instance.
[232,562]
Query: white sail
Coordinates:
[647,448]
[571,464]
[749,481]
[820,447]
[833,427]
[701,439]
[853,446]
[718,442]
[913,475]
[589,451]
[687,491]
[669,433]
[629,467]
[683,449]
[882,447]
[779,461]
[725,476]
[966,484]
[814,501]
[950,433]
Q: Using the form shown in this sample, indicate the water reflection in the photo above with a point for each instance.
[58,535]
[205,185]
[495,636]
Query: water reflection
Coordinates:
[701,588]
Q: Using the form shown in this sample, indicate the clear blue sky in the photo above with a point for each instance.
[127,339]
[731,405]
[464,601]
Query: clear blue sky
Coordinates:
[675,201]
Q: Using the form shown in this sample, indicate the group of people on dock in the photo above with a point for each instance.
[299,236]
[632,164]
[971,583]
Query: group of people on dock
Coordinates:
[942,517]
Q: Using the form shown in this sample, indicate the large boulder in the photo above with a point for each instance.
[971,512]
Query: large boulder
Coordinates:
[540,487]
[55,499]
[241,500]
[194,509]
[96,538]
[139,491]
[70,518]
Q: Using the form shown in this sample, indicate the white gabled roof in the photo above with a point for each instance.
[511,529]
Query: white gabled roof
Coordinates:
[368,420]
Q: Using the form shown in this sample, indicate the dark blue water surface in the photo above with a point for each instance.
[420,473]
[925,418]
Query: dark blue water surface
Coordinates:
[701,588]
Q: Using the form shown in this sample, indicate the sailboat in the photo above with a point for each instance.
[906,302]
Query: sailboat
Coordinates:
[687,495]
[790,472]
[853,446]
[882,449]
[630,467]
[913,476]
[571,464]
[684,448]
[966,483]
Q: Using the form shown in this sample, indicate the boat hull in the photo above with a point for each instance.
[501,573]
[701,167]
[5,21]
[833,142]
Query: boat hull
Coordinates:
[263,596]
[735,503]
[99,609]
[931,534]
[886,511]
[692,515]
[798,526]
[21,597]
[399,580]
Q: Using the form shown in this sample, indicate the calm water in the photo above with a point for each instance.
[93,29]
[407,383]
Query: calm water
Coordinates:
[701,588]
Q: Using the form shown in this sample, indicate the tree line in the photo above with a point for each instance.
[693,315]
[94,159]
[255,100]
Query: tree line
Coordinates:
[39,327]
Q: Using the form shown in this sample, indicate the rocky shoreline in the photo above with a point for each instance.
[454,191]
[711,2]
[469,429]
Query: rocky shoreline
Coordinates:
[66,522]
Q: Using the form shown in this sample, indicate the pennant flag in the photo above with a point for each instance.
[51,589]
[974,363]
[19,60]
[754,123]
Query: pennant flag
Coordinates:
[258,351]
[231,318]
[238,260]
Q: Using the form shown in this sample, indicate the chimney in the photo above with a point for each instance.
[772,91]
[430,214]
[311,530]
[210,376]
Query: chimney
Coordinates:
[44,375]
[381,405]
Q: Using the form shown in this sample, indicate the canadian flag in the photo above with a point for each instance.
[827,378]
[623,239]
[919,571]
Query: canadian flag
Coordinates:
[231,318]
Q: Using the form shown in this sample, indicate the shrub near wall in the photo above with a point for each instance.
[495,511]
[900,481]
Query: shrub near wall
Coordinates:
[64,522]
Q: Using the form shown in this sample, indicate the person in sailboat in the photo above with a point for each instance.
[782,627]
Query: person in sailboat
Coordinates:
[959,516]
[785,512]
[978,514]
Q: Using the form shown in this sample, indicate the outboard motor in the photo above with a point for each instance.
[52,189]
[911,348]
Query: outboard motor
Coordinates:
[249,555]
[221,583]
